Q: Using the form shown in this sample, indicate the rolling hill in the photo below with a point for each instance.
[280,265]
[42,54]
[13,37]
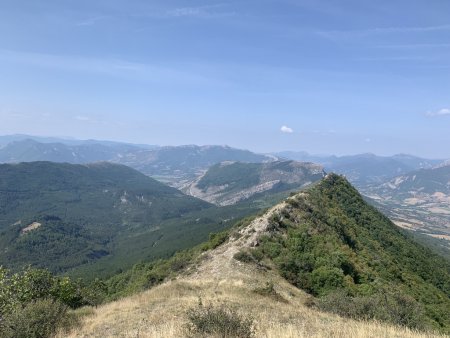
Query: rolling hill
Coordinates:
[228,183]
[322,263]
[64,216]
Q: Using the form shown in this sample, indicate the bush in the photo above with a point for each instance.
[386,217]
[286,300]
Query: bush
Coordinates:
[269,291]
[68,292]
[326,278]
[38,319]
[392,307]
[221,321]
[243,256]
[95,293]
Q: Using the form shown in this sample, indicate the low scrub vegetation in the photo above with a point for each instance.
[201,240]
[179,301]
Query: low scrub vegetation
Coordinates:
[38,318]
[268,290]
[218,321]
[392,307]
[329,239]
[34,303]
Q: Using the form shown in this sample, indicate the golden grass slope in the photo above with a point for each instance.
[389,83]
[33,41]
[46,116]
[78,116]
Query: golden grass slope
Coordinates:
[219,278]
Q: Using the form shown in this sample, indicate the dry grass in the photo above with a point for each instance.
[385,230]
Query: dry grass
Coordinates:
[161,311]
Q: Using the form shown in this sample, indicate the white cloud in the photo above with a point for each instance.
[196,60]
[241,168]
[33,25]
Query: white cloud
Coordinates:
[286,129]
[82,118]
[441,112]
[187,11]
[208,11]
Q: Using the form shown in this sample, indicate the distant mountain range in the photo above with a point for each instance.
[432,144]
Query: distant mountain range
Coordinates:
[424,181]
[365,169]
[419,200]
[30,150]
[6,139]
[227,183]
[173,165]
[179,165]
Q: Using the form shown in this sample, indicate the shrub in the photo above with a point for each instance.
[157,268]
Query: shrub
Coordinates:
[392,307]
[38,319]
[215,239]
[326,278]
[67,292]
[269,291]
[220,321]
[95,293]
[243,256]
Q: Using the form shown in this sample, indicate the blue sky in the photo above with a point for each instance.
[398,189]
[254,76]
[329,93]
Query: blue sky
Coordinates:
[341,77]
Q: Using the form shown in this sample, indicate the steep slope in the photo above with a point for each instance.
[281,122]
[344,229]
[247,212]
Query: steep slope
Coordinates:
[365,253]
[419,200]
[62,215]
[231,182]
[321,240]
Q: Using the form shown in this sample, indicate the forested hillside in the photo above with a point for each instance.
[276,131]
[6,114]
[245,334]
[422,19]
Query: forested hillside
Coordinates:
[62,216]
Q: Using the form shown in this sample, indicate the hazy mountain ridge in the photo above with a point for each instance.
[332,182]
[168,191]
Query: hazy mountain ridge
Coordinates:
[6,139]
[175,165]
[179,165]
[230,182]
[425,181]
[419,200]
[29,150]
[363,169]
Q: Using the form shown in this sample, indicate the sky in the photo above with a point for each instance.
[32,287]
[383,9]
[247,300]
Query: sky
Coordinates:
[323,76]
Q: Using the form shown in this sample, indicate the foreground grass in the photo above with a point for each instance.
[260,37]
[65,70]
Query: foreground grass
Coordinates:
[161,312]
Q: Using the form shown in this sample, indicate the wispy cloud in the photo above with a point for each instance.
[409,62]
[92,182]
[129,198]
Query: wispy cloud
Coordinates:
[90,21]
[414,46]
[441,112]
[82,118]
[89,119]
[209,11]
[399,58]
[336,34]
[13,114]
[286,129]
[109,67]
